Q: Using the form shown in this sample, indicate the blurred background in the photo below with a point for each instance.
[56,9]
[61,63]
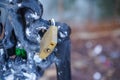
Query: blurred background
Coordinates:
[95,24]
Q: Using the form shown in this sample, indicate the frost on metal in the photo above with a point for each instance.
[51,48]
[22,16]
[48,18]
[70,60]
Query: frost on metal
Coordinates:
[21,30]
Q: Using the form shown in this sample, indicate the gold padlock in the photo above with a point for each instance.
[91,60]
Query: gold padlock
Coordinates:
[48,42]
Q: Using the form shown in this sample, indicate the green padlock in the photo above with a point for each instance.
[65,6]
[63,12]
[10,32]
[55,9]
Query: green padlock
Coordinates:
[21,53]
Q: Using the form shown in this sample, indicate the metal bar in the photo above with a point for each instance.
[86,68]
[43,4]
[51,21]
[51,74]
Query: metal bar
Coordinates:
[63,64]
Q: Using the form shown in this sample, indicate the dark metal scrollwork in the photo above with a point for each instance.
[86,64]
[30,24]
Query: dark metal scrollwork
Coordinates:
[21,29]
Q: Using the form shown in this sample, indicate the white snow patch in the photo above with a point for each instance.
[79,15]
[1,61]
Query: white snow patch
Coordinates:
[10,77]
[39,0]
[19,44]
[1,51]
[12,71]
[62,35]
[66,33]
[19,5]
[27,75]
[28,32]
[38,38]
[37,59]
[59,73]
[10,1]
[59,27]
[4,68]
[30,76]
[40,28]
[53,22]
[35,16]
